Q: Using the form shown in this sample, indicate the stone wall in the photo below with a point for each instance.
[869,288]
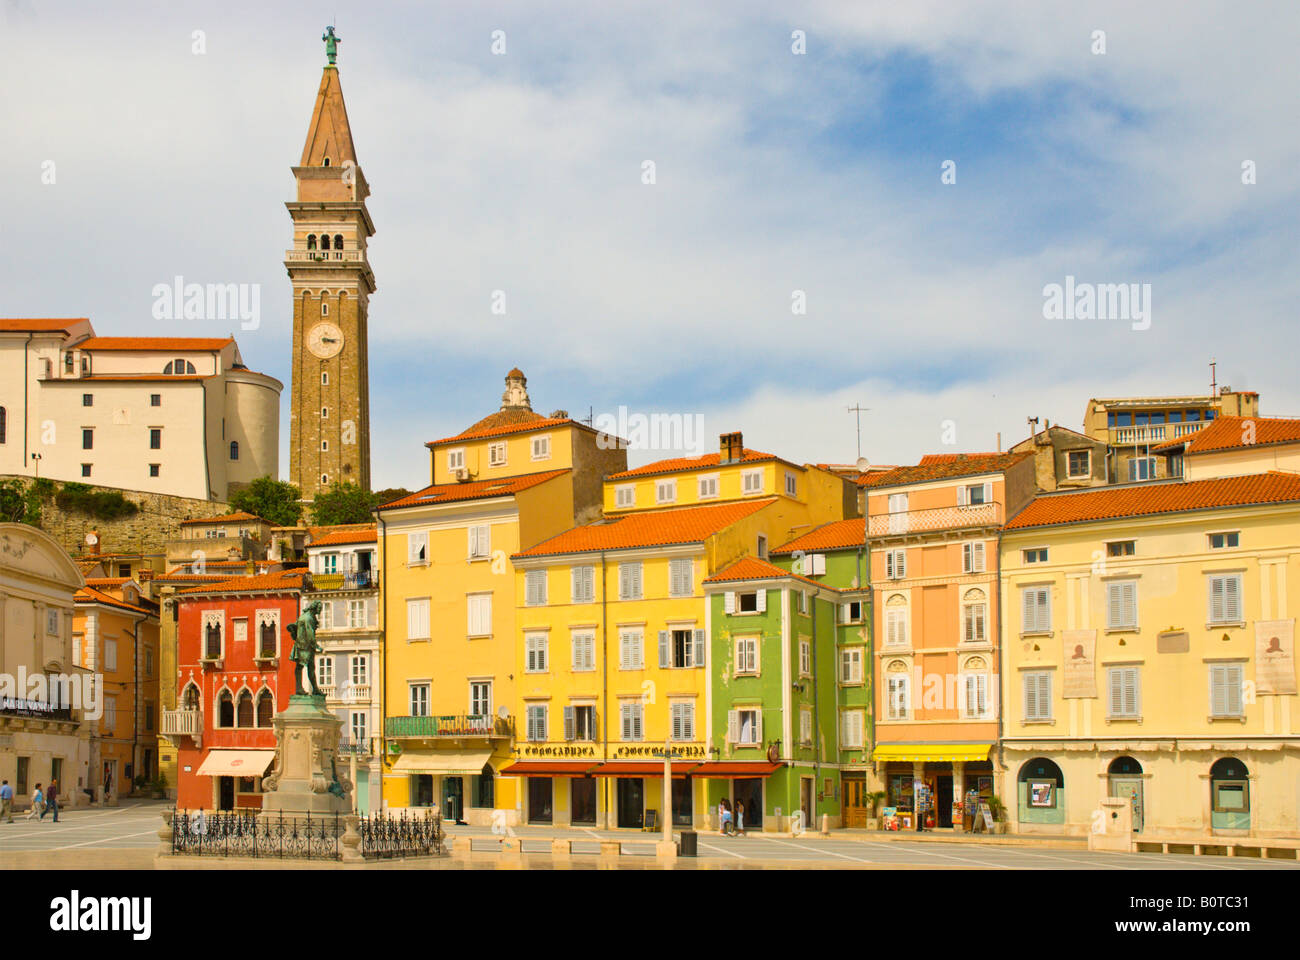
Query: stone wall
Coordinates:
[157,521]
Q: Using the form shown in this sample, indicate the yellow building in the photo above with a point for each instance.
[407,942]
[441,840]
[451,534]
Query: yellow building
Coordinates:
[508,482]
[612,620]
[1149,653]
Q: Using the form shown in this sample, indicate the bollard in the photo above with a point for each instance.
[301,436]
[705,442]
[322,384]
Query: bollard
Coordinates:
[352,840]
[826,825]
[165,835]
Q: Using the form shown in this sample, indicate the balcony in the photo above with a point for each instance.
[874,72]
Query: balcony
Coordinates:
[935,518]
[449,727]
[358,580]
[361,748]
[322,256]
[181,723]
[1155,433]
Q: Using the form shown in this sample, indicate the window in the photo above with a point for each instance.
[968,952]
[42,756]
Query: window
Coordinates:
[478,614]
[324,413]
[225,709]
[582,584]
[1078,463]
[535,588]
[265,708]
[212,639]
[745,727]
[266,636]
[974,617]
[358,727]
[898,694]
[535,645]
[87,438]
[851,729]
[359,668]
[329,563]
[681,649]
[419,699]
[1226,684]
[974,494]
[1035,556]
[480,699]
[324,378]
[1036,610]
[536,722]
[155,399]
[802,596]
[851,612]
[1225,598]
[751,481]
[356,614]
[326,617]
[324,479]
[972,557]
[683,717]
[791,484]
[583,646]
[324,446]
[851,665]
[480,541]
[244,714]
[1141,468]
[417,547]
[580,722]
[895,564]
[805,658]
[747,655]
[1121,548]
[762,547]
[1221,541]
[625,496]
[896,623]
[155,469]
[234,449]
[325,671]
[752,602]
[110,655]
[542,448]
[1122,684]
[85,469]
[631,650]
[148,662]
[813,565]
[497,454]
[681,577]
[87,399]
[1121,605]
[1037,694]
[629,580]
[631,716]
[417,619]
[709,486]
[976,688]
[665,491]
[155,439]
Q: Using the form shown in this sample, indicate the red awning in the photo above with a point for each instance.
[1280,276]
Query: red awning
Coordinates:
[739,768]
[641,768]
[542,768]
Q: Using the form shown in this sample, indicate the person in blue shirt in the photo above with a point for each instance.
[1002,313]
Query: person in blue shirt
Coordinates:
[6,802]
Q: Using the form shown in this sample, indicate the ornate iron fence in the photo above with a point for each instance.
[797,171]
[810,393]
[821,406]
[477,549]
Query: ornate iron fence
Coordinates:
[243,833]
[383,836]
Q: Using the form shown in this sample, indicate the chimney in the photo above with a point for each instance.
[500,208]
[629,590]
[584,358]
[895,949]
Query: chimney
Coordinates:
[731,447]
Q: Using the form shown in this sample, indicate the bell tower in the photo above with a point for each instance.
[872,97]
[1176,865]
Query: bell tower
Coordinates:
[329,414]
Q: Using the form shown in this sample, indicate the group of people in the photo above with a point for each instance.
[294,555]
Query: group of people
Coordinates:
[728,825]
[43,802]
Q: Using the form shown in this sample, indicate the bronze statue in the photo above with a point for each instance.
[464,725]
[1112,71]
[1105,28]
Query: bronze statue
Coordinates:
[305,649]
[331,44]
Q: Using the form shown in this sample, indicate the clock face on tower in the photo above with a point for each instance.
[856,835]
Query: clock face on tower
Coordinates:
[325,340]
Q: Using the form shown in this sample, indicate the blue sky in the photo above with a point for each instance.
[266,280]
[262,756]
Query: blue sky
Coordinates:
[774,173]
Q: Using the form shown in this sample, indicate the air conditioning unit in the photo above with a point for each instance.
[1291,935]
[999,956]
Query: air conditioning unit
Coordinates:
[461,474]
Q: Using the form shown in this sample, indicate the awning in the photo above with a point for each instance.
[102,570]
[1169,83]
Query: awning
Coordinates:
[740,768]
[236,763]
[541,768]
[463,763]
[933,752]
[641,768]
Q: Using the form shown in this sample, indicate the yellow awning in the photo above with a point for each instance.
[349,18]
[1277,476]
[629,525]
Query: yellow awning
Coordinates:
[933,752]
[236,763]
[441,762]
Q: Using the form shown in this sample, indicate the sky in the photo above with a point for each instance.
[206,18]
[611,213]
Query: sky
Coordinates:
[798,252]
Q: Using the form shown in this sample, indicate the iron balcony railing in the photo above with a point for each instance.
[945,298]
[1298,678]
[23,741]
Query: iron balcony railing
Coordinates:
[357,580]
[461,725]
[935,518]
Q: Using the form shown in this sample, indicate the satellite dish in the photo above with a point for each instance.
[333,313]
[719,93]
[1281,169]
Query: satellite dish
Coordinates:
[502,712]
[91,539]
[862,464]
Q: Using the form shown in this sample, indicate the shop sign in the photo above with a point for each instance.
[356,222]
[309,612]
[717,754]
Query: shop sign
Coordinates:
[657,753]
[554,751]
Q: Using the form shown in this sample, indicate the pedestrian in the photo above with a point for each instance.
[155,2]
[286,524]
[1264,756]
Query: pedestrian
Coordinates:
[724,816]
[6,801]
[52,800]
[740,817]
[38,803]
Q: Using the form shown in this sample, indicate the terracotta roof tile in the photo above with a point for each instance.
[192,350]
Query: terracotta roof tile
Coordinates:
[239,517]
[752,568]
[261,583]
[91,595]
[474,490]
[35,325]
[949,466]
[650,529]
[155,343]
[1230,433]
[1147,499]
[512,425]
[346,536]
[836,535]
[677,464]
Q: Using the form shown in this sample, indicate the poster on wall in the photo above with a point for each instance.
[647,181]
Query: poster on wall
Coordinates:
[1275,657]
[1042,793]
[1079,677]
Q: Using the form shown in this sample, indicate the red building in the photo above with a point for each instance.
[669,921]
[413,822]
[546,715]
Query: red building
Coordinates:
[235,675]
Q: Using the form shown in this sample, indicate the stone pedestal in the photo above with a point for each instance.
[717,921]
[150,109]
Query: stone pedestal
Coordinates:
[306,776]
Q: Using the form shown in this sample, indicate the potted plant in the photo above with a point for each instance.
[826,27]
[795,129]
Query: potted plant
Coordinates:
[139,783]
[160,787]
[873,805]
[999,811]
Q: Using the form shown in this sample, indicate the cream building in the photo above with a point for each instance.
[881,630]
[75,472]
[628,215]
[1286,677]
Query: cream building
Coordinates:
[169,415]
[40,739]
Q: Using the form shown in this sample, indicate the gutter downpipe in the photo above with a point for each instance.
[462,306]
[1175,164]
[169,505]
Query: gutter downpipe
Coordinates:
[1001,676]
[604,677]
[383,651]
[27,399]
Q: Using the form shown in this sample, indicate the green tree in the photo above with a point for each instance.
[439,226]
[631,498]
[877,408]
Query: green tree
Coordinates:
[390,494]
[343,502]
[13,502]
[270,499]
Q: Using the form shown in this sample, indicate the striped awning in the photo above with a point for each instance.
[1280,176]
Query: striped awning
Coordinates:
[932,752]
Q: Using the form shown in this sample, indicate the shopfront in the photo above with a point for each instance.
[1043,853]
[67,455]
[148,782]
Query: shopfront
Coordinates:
[454,780]
[1040,792]
[739,782]
[931,786]
[556,793]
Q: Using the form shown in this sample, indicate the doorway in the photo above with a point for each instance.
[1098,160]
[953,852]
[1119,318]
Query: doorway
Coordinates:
[582,800]
[854,792]
[1125,776]
[631,802]
[421,790]
[806,802]
[683,809]
[943,799]
[225,793]
[749,792]
[540,795]
[453,799]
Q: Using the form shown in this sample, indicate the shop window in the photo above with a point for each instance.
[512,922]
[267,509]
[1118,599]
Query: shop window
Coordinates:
[1230,787]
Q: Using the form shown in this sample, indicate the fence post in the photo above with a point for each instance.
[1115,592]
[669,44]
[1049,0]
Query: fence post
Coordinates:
[167,833]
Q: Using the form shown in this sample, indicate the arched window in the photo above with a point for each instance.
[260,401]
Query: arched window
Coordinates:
[311,241]
[4,424]
[265,708]
[212,642]
[266,639]
[974,616]
[338,241]
[190,699]
[1124,767]
[325,241]
[327,162]
[234,449]
[245,709]
[1230,795]
[225,709]
[167,369]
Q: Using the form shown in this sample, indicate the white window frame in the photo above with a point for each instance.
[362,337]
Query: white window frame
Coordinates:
[476,701]
[631,649]
[751,482]
[357,614]
[478,541]
[536,583]
[417,548]
[681,577]
[736,727]
[1230,678]
[897,626]
[805,727]
[972,556]
[631,584]
[1237,611]
[898,696]
[805,658]
[497,453]
[975,613]
[1225,534]
[708,486]
[851,666]
[582,651]
[417,618]
[455,460]
[541,447]
[1120,683]
[1121,605]
[747,656]
[851,729]
[896,564]
[625,496]
[631,715]
[359,669]
[536,653]
[537,722]
[1041,621]
[417,698]
[791,484]
[666,490]
[582,583]
[975,695]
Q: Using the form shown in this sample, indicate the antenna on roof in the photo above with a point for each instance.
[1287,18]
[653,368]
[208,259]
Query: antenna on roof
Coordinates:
[591,416]
[1214,382]
[858,410]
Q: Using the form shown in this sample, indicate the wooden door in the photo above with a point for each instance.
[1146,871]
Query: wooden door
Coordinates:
[854,808]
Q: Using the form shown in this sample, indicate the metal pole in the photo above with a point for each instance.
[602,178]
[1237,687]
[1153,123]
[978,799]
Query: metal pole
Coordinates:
[668,794]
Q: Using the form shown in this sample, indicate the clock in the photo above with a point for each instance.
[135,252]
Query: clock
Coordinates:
[325,340]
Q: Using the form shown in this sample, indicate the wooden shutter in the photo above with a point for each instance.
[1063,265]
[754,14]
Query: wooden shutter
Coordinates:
[1232,678]
[665,649]
[1031,696]
[1130,680]
[761,599]
[625,716]
[699,649]
[569,732]
[961,496]
[1216,599]
[733,726]
[729,602]
[1232,598]
[472,547]
[901,564]
[988,492]
[758,727]
[1116,685]
[636,721]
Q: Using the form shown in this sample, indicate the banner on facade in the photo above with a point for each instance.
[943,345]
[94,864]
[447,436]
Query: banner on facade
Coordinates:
[1275,657]
[1079,677]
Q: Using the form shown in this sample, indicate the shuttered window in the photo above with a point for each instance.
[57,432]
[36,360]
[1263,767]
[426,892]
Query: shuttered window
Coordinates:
[851,729]
[1036,609]
[973,616]
[977,694]
[896,628]
[1123,693]
[417,619]
[583,584]
[480,541]
[805,727]
[584,651]
[747,655]
[537,722]
[681,577]
[535,588]
[479,614]
[745,727]
[972,557]
[535,647]
[624,496]
[1225,689]
[1225,598]
[851,665]
[629,580]
[683,715]
[898,692]
[631,654]
[1121,605]
[417,547]
[895,564]
[1038,694]
[631,713]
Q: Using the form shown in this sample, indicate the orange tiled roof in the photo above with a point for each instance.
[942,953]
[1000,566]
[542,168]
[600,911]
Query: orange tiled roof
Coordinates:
[474,490]
[368,535]
[106,581]
[152,377]
[34,325]
[657,528]
[752,568]
[261,583]
[947,466]
[872,478]
[91,595]
[676,464]
[1147,499]
[497,428]
[227,567]
[836,535]
[1229,433]
[239,517]
[155,343]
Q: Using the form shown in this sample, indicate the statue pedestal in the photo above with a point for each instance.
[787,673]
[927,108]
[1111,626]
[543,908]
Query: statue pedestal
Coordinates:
[306,776]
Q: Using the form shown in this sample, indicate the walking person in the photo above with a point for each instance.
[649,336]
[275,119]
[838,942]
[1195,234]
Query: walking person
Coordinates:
[740,817]
[6,801]
[724,817]
[52,800]
[38,803]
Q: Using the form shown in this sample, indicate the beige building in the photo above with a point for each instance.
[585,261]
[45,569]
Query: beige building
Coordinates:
[1234,446]
[41,736]
[171,415]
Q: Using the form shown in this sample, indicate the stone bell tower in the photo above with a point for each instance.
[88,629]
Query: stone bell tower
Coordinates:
[329,414]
